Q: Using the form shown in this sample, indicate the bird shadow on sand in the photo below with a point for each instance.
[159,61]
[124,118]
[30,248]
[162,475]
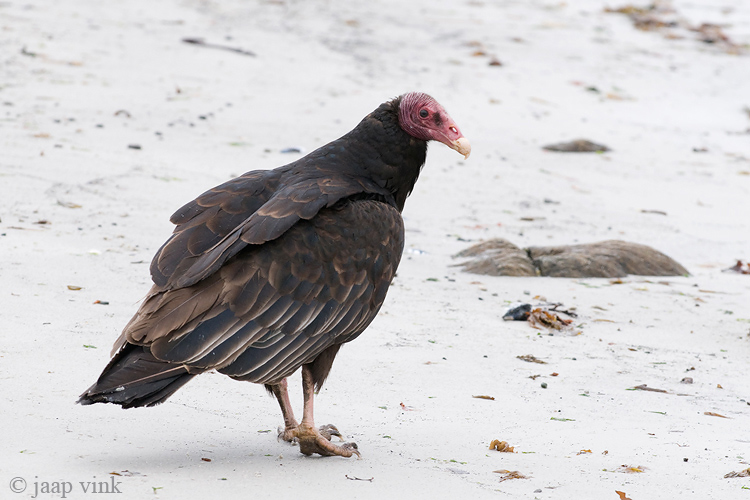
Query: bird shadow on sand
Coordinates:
[244,456]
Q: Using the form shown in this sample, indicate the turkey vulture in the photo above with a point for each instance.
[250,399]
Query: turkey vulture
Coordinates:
[276,269]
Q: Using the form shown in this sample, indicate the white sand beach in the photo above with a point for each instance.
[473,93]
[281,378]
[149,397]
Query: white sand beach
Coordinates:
[109,122]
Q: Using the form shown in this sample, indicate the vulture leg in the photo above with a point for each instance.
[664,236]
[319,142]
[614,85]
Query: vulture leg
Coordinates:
[290,423]
[312,440]
[288,432]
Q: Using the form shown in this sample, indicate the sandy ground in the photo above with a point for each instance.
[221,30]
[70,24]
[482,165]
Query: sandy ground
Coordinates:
[81,81]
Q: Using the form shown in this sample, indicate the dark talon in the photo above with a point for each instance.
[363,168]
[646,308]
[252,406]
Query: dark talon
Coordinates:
[287,435]
[329,430]
[353,448]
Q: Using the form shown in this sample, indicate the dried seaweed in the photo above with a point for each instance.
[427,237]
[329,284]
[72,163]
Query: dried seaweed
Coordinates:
[650,18]
[712,414]
[711,33]
[503,446]
[126,473]
[739,268]
[631,469]
[540,318]
[568,312]
[660,16]
[355,478]
[644,387]
[742,473]
[531,359]
[507,474]
[68,204]
[202,43]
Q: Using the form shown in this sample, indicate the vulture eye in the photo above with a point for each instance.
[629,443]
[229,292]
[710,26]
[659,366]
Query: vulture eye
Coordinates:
[423,113]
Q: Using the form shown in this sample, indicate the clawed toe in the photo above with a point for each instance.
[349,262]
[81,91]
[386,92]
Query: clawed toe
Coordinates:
[329,430]
[287,434]
[352,448]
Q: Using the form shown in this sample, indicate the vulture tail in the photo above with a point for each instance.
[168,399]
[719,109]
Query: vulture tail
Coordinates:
[135,378]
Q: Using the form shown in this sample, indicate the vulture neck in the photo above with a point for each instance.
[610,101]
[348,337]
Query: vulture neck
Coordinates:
[386,153]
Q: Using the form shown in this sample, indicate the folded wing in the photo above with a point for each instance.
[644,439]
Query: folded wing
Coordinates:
[252,209]
[272,307]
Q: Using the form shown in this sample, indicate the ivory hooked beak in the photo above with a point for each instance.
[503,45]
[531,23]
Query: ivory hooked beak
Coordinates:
[462,146]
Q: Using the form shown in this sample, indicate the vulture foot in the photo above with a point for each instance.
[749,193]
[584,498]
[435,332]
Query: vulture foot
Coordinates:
[289,434]
[312,440]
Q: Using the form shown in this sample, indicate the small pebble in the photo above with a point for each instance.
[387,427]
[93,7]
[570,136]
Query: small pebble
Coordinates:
[544,385]
[684,459]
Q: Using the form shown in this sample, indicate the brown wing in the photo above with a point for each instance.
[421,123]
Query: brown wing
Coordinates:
[252,209]
[208,219]
[276,306]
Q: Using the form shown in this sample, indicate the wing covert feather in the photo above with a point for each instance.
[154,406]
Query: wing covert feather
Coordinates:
[252,209]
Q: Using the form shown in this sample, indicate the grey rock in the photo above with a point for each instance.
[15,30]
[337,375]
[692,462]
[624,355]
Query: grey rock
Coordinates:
[606,259]
[497,257]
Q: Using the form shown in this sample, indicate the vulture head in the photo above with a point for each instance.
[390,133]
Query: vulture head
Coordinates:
[423,117]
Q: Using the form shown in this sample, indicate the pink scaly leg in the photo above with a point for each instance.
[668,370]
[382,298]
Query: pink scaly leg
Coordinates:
[312,440]
[290,424]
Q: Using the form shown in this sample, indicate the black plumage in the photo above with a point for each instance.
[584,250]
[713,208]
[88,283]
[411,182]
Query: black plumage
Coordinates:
[275,270]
